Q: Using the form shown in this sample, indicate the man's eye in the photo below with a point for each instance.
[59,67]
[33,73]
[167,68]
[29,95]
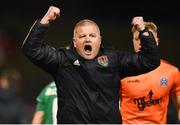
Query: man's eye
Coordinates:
[92,35]
[81,36]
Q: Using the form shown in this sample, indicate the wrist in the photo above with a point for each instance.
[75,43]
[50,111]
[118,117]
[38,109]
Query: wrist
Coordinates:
[143,31]
[141,27]
[44,21]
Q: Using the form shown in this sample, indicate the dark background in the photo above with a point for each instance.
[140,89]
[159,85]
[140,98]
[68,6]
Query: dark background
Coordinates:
[113,17]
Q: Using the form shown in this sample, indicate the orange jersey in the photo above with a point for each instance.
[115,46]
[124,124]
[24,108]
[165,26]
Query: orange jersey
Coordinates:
[145,98]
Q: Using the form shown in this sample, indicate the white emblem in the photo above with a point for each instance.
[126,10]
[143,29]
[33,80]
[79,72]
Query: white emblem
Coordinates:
[76,63]
[164,81]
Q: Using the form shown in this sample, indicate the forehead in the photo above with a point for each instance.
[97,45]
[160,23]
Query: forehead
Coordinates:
[87,28]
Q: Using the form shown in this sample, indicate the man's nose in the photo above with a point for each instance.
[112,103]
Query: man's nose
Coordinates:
[87,39]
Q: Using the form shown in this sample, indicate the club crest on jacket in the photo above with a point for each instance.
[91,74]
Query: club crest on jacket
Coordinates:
[103,61]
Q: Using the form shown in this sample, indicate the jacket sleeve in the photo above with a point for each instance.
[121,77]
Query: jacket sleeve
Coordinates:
[145,60]
[39,53]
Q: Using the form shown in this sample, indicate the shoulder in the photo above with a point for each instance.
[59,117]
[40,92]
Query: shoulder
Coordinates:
[63,54]
[64,48]
[169,66]
[50,85]
[110,52]
[45,89]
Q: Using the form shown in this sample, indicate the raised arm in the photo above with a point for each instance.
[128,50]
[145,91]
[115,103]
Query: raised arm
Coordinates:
[52,14]
[33,47]
[146,59]
[138,22]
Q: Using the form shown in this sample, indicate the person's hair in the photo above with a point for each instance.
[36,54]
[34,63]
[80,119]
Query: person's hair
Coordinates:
[85,22]
[148,25]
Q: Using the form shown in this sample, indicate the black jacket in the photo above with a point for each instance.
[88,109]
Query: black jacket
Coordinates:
[88,90]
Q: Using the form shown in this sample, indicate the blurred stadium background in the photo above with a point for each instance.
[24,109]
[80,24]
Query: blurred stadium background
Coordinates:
[113,17]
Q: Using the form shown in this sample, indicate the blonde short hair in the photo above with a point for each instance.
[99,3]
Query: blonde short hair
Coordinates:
[85,22]
[148,25]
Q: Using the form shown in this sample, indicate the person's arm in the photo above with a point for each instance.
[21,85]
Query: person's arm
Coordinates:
[38,117]
[177,102]
[38,52]
[176,93]
[146,59]
[178,98]
[40,111]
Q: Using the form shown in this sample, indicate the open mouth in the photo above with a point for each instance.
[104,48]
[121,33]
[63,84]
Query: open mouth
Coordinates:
[87,49]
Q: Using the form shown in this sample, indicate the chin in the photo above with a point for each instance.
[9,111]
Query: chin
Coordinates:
[88,57]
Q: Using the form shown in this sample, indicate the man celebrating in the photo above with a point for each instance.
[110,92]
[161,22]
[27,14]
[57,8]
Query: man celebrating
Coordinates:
[86,75]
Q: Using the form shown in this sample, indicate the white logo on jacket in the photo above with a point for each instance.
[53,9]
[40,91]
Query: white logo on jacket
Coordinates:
[76,63]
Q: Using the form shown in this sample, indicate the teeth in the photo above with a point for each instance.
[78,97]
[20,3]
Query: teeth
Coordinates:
[87,51]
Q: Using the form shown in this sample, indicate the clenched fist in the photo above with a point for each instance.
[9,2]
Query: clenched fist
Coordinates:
[138,22]
[51,15]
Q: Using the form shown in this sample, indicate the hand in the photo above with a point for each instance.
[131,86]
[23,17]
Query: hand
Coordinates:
[138,22]
[52,14]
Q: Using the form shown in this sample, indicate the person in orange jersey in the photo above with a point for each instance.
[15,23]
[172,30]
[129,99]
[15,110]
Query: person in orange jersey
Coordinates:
[145,97]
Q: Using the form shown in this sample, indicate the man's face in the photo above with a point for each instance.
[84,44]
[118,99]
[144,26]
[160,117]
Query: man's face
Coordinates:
[87,41]
[137,42]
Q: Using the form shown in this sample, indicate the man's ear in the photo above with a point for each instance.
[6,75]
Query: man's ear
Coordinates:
[74,42]
[100,39]
[157,42]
